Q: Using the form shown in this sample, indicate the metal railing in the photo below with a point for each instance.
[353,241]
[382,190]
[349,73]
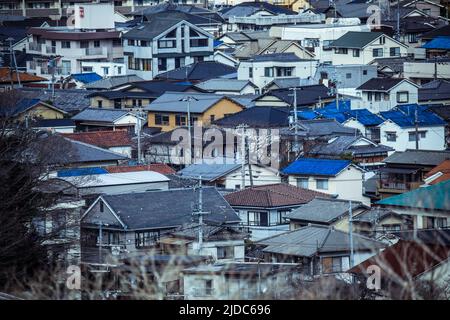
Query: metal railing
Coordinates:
[94,51]
[34,46]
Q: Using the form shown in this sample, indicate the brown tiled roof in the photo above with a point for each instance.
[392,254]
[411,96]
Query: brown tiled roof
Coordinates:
[157,167]
[5,76]
[272,195]
[102,139]
[444,168]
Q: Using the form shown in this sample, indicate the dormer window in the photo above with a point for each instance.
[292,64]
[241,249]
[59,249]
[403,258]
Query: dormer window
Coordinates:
[382,40]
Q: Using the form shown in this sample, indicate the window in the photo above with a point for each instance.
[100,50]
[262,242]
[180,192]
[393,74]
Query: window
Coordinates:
[412,37]
[117,104]
[162,64]
[302,183]
[382,40]
[119,70]
[377,52]
[420,134]
[87,69]
[101,205]
[394,52]
[332,264]
[284,71]
[179,62]
[173,34]
[391,227]
[146,239]
[364,72]
[105,71]
[341,51]
[225,252]
[280,220]
[377,96]
[369,96]
[348,75]
[84,44]
[208,287]
[250,72]
[193,33]
[402,97]
[96,43]
[137,102]
[162,44]
[268,72]
[161,119]
[212,118]
[99,104]
[322,184]
[391,136]
[130,42]
[65,44]
[198,42]
[199,59]
[258,218]
[144,43]
[180,120]
[356,52]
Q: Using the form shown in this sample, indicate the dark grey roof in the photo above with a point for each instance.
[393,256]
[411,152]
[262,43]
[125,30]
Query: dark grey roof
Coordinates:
[314,239]
[248,8]
[278,57]
[151,29]
[322,127]
[209,171]
[442,111]
[100,115]
[380,84]
[343,144]
[420,157]
[111,82]
[306,95]
[396,64]
[210,232]
[69,100]
[170,208]
[322,210]
[199,71]
[434,91]
[283,83]
[257,117]
[374,214]
[220,84]
[355,39]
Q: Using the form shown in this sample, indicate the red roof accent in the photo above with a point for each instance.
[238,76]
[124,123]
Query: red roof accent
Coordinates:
[405,258]
[157,167]
[272,195]
[5,76]
[102,139]
[444,168]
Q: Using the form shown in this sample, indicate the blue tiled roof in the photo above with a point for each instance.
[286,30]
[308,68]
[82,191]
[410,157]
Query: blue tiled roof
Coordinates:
[438,43]
[86,77]
[81,172]
[320,167]
[404,116]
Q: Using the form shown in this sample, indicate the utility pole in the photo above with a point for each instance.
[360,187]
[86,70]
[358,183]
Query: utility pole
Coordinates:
[100,242]
[200,214]
[398,20]
[416,125]
[188,99]
[350,229]
[139,128]
[435,68]
[294,90]
[243,151]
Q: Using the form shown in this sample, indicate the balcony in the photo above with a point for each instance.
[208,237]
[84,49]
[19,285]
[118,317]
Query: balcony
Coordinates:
[34,46]
[94,51]
[391,186]
[280,19]
[50,50]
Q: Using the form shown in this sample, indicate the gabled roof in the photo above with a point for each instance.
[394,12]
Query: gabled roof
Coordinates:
[319,167]
[87,77]
[313,239]
[209,171]
[382,84]
[257,117]
[111,82]
[306,95]
[6,75]
[355,39]
[172,102]
[114,179]
[322,127]
[219,84]
[346,144]
[404,116]
[435,90]
[374,215]
[283,83]
[439,32]
[102,139]
[439,43]
[322,210]
[100,115]
[439,173]
[272,195]
[157,167]
[442,111]
[277,57]
[418,157]
[198,71]
[157,209]
[210,232]
[248,8]
[26,104]
[435,197]
[151,29]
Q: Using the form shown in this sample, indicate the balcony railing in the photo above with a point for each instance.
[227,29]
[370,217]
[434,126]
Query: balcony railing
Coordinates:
[34,46]
[50,49]
[397,186]
[94,51]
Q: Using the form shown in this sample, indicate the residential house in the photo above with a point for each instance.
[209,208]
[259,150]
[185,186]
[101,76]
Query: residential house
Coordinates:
[237,281]
[443,111]
[428,207]
[94,119]
[135,221]
[228,174]
[325,211]
[346,76]
[309,96]
[435,92]
[383,94]
[228,86]
[164,44]
[118,141]
[378,222]
[156,167]
[27,110]
[317,37]
[111,82]
[117,183]
[225,58]
[220,242]
[171,109]
[362,47]
[10,79]
[427,70]
[438,174]
[199,71]
[391,67]
[262,69]
[399,129]
[319,250]
[285,83]
[437,47]
[234,39]
[263,209]
[406,170]
[55,125]
[340,178]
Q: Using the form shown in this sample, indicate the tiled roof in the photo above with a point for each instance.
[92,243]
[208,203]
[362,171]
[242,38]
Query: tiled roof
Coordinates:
[435,90]
[257,117]
[5,76]
[355,39]
[102,139]
[157,167]
[418,157]
[209,172]
[224,84]
[101,115]
[443,168]
[306,95]
[111,82]
[198,71]
[320,167]
[272,195]
[380,84]
[278,57]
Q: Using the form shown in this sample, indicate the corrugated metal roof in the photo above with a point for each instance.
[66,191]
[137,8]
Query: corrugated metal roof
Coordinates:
[101,115]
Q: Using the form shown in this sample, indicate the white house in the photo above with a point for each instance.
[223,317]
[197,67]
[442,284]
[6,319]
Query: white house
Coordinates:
[162,45]
[262,69]
[398,130]
[340,178]
[316,37]
[383,94]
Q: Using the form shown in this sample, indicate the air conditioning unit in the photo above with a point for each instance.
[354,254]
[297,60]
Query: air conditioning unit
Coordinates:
[115,250]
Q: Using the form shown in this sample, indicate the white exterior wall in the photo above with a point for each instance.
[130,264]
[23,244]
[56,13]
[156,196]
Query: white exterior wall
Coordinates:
[114,69]
[209,248]
[125,150]
[302,69]
[261,176]
[434,140]
[347,185]
[418,215]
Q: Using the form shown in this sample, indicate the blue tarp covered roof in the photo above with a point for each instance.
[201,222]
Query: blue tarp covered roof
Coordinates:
[86,77]
[404,116]
[320,167]
[438,43]
[81,172]
[343,105]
